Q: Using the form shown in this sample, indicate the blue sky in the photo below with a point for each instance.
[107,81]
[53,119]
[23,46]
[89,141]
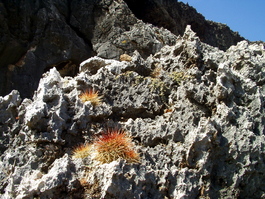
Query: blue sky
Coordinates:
[244,16]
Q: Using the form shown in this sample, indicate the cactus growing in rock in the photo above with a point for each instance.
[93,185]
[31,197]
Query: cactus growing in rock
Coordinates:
[113,145]
[92,96]
[82,151]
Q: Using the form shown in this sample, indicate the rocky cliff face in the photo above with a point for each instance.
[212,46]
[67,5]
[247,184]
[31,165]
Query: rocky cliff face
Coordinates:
[36,36]
[195,112]
[175,16]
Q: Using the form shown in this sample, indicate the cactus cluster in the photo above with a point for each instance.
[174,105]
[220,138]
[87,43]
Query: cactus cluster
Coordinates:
[111,145]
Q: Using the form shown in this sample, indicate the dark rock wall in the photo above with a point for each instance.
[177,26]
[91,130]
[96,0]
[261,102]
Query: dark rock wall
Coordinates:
[175,16]
[37,35]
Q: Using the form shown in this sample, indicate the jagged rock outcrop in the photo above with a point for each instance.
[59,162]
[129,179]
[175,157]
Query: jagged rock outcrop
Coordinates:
[8,117]
[36,36]
[196,114]
[175,16]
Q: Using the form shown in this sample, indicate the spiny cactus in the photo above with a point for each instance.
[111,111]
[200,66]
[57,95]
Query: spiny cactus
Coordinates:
[112,145]
[82,151]
[115,144]
[92,96]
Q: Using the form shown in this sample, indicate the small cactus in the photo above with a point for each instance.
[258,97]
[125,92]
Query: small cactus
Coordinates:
[82,151]
[92,96]
[113,145]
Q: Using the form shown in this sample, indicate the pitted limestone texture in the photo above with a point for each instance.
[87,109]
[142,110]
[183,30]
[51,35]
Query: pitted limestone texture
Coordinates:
[195,113]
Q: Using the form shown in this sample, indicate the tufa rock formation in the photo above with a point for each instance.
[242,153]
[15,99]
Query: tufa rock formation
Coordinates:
[195,112]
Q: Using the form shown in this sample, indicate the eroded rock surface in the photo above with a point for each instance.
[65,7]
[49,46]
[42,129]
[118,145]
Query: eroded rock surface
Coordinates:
[36,36]
[196,114]
[175,16]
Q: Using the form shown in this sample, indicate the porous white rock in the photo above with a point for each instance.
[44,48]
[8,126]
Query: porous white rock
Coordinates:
[195,113]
